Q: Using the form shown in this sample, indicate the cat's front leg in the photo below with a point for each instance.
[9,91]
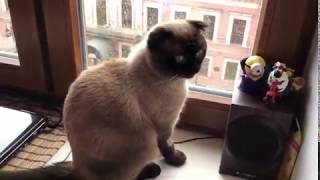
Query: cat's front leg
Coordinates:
[171,155]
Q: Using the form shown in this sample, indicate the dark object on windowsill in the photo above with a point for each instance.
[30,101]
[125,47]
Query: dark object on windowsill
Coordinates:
[17,128]
[256,137]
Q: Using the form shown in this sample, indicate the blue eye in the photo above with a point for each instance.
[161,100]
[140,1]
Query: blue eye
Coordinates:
[180,59]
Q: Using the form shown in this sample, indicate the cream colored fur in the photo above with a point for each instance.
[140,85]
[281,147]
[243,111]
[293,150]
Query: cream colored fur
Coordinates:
[114,113]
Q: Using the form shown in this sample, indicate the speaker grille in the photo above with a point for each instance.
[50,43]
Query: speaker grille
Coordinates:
[250,138]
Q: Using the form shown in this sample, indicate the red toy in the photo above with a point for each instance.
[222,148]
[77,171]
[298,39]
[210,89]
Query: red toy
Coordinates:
[273,92]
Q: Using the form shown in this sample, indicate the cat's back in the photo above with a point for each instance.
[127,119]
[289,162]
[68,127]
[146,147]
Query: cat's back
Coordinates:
[106,77]
[99,85]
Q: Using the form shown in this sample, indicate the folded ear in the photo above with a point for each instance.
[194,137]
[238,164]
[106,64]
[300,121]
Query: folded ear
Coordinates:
[157,36]
[198,24]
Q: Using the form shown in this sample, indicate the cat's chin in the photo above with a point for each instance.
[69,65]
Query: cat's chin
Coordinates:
[186,76]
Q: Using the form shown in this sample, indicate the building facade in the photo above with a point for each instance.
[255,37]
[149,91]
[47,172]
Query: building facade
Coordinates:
[113,27]
[230,34]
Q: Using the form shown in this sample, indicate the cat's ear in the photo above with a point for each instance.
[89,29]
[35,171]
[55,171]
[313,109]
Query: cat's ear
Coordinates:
[198,24]
[157,36]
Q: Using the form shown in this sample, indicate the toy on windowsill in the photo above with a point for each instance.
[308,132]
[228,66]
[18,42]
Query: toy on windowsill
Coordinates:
[253,79]
[281,83]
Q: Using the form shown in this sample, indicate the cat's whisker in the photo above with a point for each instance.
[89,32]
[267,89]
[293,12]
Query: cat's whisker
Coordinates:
[166,80]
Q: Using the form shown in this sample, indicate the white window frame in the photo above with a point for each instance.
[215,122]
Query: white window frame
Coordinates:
[120,47]
[225,66]
[216,14]
[247,18]
[240,4]
[151,5]
[209,67]
[3,6]
[174,8]
[120,14]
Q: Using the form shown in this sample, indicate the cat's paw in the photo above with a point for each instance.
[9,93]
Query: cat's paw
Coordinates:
[151,170]
[178,158]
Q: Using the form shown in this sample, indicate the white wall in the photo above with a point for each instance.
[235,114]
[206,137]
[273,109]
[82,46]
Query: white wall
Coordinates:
[307,163]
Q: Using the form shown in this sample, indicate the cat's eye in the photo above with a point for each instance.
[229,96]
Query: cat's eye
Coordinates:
[180,59]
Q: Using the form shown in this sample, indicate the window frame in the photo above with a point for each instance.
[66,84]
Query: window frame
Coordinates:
[231,19]
[225,61]
[174,8]
[120,15]
[120,48]
[32,74]
[217,15]
[64,54]
[145,10]
[218,106]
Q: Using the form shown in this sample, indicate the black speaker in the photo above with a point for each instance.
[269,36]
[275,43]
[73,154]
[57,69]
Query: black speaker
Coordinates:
[256,137]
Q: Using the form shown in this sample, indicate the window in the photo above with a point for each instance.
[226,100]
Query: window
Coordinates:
[180,15]
[152,14]
[152,17]
[101,12]
[211,18]
[126,13]
[180,12]
[64,51]
[124,50]
[205,67]
[126,27]
[230,69]
[8,49]
[238,30]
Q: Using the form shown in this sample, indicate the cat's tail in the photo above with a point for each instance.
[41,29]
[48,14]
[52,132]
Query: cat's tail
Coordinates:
[58,171]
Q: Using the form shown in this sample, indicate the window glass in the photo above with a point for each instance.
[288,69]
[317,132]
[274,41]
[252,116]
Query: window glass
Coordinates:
[8,49]
[180,15]
[128,20]
[125,50]
[152,16]
[126,12]
[209,20]
[230,70]
[237,33]
[101,12]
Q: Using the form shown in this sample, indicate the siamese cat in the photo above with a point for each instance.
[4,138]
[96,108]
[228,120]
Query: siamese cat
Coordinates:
[119,114]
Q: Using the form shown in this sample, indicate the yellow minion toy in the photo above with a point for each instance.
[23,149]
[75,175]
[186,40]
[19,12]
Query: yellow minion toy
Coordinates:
[253,67]
[254,76]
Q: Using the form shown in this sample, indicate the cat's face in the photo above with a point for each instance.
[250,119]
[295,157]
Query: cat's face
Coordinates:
[177,48]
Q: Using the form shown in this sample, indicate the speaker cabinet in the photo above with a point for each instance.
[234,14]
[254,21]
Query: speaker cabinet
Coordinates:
[256,136]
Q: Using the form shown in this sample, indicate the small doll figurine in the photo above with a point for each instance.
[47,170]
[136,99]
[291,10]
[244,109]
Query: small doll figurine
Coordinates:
[254,76]
[278,82]
[281,83]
